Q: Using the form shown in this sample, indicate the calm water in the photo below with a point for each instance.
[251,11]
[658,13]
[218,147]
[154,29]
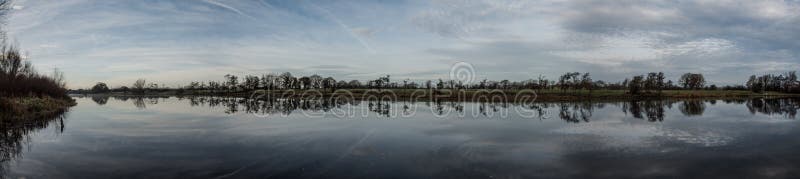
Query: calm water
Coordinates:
[235,138]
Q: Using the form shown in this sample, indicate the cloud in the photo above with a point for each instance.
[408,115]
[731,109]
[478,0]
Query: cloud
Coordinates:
[727,40]
[766,25]
[230,8]
[454,18]
[351,31]
[513,39]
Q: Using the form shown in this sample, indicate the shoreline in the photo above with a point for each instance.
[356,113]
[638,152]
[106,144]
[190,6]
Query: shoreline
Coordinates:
[20,109]
[466,95]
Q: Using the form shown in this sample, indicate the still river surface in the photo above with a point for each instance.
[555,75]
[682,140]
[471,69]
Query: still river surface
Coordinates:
[202,137]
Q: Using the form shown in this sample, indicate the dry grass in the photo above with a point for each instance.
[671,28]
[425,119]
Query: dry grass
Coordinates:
[29,107]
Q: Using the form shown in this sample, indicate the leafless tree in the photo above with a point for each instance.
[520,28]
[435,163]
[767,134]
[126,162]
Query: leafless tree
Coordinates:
[139,85]
[692,81]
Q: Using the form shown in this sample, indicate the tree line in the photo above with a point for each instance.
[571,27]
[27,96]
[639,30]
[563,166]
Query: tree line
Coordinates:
[786,82]
[570,82]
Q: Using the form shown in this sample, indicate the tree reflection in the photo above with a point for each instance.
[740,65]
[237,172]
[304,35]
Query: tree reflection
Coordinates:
[380,107]
[284,106]
[100,99]
[540,109]
[778,106]
[693,107]
[576,112]
[489,108]
[139,103]
[652,110]
[15,134]
[735,101]
[573,112]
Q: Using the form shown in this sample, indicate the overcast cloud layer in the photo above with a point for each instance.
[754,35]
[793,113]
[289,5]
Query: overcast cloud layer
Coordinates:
[174,41]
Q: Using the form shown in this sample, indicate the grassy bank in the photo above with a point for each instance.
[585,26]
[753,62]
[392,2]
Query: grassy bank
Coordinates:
[20,108]
[471,94]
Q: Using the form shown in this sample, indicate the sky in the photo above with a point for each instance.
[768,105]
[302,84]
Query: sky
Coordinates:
[175,41]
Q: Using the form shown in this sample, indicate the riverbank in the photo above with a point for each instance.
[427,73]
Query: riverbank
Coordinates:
[472,94]
[22,108]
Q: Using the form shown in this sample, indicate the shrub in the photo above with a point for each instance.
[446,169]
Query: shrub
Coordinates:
[18,77]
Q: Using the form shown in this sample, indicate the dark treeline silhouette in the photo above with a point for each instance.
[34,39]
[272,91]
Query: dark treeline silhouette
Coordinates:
[786,82]
[654,82]
[570,82]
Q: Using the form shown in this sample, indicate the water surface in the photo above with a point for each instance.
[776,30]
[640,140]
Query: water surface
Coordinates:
[135,137]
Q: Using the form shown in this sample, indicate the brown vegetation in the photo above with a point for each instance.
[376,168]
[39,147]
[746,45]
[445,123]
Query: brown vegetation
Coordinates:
[19,79]
[12,109]
[25,93]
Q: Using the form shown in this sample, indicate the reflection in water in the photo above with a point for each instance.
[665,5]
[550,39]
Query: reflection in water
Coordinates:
[783,107]
[100,99]
[693,107]
[14,135]
[140,102]
[576,112]
[652,110]
[191,137]
[382,108]
[573,112]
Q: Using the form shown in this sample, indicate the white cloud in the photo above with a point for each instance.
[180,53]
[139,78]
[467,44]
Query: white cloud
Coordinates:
[511,39]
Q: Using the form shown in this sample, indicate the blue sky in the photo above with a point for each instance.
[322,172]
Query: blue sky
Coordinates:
[172,42]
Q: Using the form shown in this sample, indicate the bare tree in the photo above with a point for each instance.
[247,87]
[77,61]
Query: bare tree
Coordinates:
[287,80]
[232,81]
[635,85]
[139,85]
[58,77]
[660,85]
[329,83]
[315,81]
[251,82]
[692,81]
[268,81]
[586,82]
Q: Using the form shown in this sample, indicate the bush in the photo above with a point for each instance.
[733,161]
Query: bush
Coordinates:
[18,77]
[28,107]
